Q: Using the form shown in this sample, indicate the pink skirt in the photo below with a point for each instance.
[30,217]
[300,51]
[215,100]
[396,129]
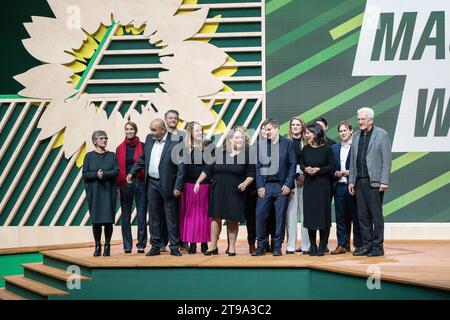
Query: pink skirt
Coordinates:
[195,225]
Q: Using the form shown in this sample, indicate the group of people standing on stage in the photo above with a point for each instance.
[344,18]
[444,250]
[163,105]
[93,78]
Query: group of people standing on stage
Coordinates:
[188,186]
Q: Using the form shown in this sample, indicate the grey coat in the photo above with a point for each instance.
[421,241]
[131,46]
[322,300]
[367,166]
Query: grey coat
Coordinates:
[379,157]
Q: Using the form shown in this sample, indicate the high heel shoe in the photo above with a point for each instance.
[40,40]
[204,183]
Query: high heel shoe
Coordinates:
[98,250]
[231,254]
[192,248]
[107,251]
[214,252]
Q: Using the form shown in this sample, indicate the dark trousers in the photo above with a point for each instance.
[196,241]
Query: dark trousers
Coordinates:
[250,218]
[345,209]
[159,207]
[128,193]
[369,202]
[272,196]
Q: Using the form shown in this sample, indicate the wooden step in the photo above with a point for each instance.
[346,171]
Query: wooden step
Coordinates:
[34,286]
[7,295]
[53,272]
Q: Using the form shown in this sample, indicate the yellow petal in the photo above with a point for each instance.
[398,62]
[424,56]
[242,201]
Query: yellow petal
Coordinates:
[131,29]
[227,89]
[226,71]
[75,79]
[100,34]
[220,128]
[76,66]
[80,157]
[59,140]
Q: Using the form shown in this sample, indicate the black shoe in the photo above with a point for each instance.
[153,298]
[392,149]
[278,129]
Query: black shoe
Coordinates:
[140,250]
[231,254]
[175,252]
[153,252]
[184,246]
[277,252]
[98,250]
[214,252]
[127,251]
[204,247]
[305,252]
[107,251]
[362,252]
[259,252]
[376,252]
[313,250]
[192,248]
[358,249]
[320,251]
[299,249]
[290,252]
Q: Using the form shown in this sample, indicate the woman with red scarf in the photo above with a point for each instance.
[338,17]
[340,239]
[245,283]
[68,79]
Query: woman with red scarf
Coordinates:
[127,154]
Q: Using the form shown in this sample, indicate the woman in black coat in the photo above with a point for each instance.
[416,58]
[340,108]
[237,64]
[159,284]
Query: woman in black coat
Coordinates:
[100,171]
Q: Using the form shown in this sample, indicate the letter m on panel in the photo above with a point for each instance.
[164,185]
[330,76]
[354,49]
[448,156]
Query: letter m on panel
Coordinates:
[425,115]
[385,36]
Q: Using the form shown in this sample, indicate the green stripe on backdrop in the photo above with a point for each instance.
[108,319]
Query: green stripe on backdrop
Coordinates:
[337,100]
[416,194]
[312,62]
[347,27]
[406,159]
[311,25]
[379,108]
[274,5]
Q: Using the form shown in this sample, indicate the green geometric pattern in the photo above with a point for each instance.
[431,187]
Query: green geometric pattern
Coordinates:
[309,59]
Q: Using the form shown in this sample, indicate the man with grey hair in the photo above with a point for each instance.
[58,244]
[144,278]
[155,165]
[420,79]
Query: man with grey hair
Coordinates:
[369,174]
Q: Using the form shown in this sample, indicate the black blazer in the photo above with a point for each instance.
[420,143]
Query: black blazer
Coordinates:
[286,166]
[170,173]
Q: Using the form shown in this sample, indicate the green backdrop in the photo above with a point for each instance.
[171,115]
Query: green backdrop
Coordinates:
[310,51]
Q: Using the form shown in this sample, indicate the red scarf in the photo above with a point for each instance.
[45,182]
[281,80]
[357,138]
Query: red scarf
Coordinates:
[121,157]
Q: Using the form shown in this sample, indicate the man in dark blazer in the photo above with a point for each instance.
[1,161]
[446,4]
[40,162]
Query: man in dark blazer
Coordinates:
[370,171]
[344,202]
[164,183]
[275,174]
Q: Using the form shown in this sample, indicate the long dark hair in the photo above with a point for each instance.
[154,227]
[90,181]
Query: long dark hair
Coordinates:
[318,132]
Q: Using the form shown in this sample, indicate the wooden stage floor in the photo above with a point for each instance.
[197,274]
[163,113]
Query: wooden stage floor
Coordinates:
[423,263]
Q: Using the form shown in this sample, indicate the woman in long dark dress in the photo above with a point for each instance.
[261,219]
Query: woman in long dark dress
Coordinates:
[127,154]
[100,171]
[230,174]
[316,161]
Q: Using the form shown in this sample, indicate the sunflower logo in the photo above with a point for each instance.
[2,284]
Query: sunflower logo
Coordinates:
[72,44]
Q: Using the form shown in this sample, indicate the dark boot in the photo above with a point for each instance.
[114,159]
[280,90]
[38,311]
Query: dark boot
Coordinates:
[313,250]
[107,251]
[204,247]
[192,248]
[98,250]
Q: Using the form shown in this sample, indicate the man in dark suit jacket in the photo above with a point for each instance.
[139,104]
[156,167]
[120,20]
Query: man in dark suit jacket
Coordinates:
[164,183]
[344,202]
[275,174]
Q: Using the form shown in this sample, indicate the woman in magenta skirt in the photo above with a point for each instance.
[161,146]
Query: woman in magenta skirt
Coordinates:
[195,225]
